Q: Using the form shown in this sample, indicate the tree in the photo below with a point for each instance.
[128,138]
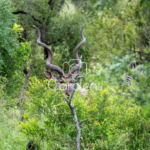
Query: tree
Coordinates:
[58,29]
[123,28]
[7,37]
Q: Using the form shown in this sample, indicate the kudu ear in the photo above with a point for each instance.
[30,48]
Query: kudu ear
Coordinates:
[48,74]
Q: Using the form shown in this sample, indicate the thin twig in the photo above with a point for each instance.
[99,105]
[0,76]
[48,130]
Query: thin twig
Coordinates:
[82,121]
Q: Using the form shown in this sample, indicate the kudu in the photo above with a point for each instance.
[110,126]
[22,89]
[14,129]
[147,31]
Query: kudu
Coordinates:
[65,81]
[133,65]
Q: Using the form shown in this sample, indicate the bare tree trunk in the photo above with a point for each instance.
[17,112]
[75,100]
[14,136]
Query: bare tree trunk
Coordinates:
[73,112]
[24,91]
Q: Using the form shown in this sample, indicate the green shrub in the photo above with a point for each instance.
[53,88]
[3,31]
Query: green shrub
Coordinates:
[112,121]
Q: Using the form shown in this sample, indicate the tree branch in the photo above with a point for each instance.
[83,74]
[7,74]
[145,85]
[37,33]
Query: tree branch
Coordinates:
[82,121]
[77,126]
[73,112]
[26,13]
[24,91]
[20,12]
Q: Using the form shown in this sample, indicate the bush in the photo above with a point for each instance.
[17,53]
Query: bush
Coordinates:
[112,121]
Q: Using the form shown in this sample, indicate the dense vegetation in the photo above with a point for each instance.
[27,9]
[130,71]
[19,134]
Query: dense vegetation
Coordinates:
[116,116]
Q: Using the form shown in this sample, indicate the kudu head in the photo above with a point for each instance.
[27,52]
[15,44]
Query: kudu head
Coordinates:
[65,80]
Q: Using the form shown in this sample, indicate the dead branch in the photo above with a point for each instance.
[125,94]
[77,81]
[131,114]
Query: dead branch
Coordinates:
[22,101]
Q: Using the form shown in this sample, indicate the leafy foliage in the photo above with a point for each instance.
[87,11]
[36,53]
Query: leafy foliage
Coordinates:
[7,36]
[112,122]
[116,115]
[121,29]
